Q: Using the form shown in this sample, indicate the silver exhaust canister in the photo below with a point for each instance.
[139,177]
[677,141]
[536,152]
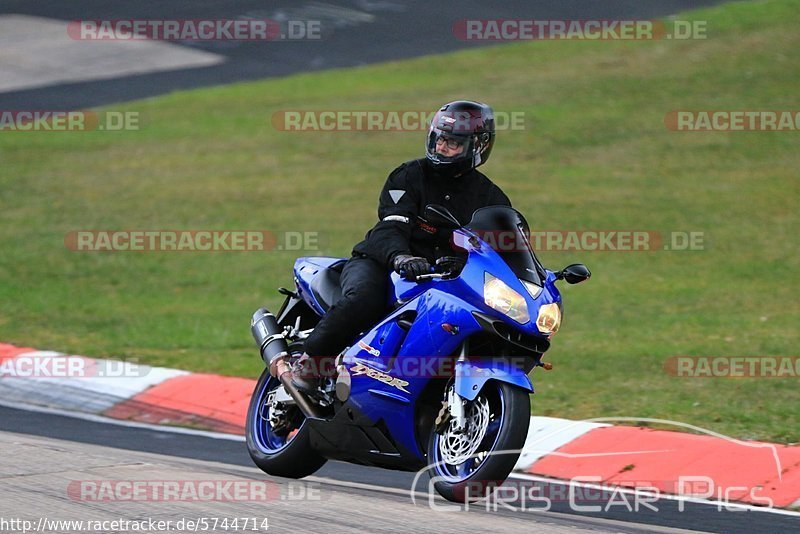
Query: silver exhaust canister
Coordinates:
[271,342]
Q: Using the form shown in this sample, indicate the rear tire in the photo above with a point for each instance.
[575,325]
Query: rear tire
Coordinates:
[484,468]
[288,456]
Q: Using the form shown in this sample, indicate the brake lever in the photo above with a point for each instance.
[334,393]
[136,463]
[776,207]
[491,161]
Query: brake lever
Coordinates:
[431,276]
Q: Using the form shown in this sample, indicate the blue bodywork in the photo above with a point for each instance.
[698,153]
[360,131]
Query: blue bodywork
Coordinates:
[392,364]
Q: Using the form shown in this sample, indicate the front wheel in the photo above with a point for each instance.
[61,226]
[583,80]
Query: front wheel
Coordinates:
[277,436]
[467,465]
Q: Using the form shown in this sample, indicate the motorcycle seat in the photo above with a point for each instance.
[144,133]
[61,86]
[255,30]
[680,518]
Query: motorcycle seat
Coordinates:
[325,285]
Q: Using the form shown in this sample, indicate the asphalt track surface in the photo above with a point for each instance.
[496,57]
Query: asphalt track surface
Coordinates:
[354,32]
[365,484]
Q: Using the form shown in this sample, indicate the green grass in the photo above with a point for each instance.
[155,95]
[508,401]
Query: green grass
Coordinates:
[595,155]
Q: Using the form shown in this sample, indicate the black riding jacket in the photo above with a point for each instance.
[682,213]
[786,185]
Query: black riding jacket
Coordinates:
[413,185]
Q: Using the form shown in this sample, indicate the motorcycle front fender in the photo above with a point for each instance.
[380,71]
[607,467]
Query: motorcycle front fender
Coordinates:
[471,376]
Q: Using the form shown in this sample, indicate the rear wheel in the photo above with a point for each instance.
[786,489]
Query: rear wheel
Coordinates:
[467,465]
[277,435]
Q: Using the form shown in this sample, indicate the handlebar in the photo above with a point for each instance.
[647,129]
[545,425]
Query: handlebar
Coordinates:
[445,268]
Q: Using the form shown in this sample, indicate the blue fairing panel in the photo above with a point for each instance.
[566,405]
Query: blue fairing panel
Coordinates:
[472,375]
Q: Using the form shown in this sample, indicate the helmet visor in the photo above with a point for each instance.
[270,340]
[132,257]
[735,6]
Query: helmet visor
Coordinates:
[447,147]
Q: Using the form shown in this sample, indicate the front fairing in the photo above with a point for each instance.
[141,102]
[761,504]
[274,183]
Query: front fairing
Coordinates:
[404,290]
[469,284]
[483,259]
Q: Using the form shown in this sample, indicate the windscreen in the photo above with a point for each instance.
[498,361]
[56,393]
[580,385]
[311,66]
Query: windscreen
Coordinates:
[507,232]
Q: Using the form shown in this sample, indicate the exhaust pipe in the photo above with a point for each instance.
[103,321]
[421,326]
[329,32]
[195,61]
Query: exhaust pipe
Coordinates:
[275,351]
[269,338]
[308,408]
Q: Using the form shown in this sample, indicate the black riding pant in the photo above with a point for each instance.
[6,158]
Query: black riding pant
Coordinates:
[364,284]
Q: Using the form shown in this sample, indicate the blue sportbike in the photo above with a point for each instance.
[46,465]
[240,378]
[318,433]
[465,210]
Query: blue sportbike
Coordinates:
[440,383]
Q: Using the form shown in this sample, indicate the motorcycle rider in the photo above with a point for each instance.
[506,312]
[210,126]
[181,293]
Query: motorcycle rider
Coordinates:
[460,138]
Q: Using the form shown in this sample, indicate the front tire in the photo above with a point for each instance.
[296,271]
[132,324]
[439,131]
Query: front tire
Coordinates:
[498,420]
[285,453]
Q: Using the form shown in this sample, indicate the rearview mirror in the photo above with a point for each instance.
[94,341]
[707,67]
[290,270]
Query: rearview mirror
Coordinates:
[574,274]
[441,217]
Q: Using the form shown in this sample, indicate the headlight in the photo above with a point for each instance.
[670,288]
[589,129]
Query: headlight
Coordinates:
[549,319]
[498,296]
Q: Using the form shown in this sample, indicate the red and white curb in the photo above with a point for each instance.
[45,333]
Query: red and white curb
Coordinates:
[47,378]
[706,465]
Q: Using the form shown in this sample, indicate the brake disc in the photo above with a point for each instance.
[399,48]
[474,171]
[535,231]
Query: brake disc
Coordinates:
[458,446]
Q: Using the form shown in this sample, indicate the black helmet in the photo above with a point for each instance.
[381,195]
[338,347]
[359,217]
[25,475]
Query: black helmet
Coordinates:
[465,122]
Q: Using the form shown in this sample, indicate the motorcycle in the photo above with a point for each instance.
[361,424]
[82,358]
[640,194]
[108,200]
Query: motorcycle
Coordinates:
[441,383]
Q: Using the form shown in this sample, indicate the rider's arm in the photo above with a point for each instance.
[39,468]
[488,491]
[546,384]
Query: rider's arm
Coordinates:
[397,211]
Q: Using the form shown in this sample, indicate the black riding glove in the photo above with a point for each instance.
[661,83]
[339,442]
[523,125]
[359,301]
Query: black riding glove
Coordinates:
[450,264]
[410,267]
